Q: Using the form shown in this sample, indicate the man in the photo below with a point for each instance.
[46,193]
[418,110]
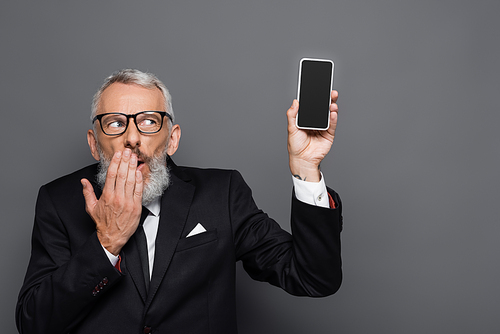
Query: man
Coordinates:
[101,263]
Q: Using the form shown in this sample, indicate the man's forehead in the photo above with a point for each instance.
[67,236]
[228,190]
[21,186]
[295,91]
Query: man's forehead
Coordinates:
[130,98]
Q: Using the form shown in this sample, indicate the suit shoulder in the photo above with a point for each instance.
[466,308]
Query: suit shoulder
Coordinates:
[210,175]
[70,179]
[197,172]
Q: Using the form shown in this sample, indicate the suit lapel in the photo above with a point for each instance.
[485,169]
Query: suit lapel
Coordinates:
[175,205]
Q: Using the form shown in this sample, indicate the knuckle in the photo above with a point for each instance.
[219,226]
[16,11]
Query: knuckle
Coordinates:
[111,174]
[116,203]
[122,176]
[106,197]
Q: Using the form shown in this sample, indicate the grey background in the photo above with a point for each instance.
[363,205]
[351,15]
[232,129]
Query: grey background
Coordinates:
[415,159]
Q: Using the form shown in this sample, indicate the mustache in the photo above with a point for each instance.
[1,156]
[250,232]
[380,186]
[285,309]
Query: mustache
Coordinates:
[142,156]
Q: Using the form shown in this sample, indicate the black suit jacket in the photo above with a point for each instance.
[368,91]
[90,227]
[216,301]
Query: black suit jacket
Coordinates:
[71,287]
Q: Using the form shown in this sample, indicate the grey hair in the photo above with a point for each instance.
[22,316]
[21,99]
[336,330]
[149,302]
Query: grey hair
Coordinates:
[132,76]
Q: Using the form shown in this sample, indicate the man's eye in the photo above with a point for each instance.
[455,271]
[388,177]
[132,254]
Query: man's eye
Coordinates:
[148,122]
[116,124]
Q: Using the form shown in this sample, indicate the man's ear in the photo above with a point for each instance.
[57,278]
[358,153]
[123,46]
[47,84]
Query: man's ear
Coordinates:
[174,138]
[93,144]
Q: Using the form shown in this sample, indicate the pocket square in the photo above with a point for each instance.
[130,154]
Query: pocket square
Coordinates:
[196,230]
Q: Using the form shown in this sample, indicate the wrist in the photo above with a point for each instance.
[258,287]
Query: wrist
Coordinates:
[107,244]
[305,171]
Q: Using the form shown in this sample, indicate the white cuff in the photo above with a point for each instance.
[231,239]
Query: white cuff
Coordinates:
[313,193]
[112,258]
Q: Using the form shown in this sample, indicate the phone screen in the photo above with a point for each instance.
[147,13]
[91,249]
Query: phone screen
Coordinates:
[314,89]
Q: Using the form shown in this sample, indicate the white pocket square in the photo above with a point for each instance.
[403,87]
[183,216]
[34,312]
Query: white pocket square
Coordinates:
[196,230]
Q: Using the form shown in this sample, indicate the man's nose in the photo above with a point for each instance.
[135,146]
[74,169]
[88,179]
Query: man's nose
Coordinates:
[132,136]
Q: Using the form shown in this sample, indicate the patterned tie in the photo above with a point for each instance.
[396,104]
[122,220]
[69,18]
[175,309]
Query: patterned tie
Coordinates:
[142,245]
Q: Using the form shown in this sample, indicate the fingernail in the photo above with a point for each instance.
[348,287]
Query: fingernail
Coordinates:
[126,152]
[118,154]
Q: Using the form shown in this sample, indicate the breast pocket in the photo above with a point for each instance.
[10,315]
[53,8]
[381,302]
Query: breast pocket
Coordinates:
[197,240]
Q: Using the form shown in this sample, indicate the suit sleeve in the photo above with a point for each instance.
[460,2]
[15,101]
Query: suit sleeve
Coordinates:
[62,283]
[306,263]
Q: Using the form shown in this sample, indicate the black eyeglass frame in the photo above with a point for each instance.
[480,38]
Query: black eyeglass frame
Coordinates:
[134,116]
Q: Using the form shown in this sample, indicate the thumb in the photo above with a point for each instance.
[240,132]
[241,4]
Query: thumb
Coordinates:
[292,113]
[89,195]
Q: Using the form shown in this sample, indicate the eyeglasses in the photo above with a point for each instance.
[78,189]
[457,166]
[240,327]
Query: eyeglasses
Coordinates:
[147,122]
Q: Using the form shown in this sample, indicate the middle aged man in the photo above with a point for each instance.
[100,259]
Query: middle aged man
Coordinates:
[101,263]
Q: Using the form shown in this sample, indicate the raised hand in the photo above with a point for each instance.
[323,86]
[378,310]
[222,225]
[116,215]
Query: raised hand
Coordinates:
[118,210]
[307,148]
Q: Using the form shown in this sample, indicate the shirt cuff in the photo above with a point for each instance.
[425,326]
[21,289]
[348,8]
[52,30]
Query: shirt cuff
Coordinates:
[313,193]
[112,258]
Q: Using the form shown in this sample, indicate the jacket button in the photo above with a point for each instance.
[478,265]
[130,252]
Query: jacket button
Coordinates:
[147,329]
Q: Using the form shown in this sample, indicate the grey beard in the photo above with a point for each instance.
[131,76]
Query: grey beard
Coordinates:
[159,176]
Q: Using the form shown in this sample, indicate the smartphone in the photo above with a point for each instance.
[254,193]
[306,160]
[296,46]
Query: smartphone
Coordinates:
[314,93]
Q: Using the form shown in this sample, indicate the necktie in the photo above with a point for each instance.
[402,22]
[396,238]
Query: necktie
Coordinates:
[142,245]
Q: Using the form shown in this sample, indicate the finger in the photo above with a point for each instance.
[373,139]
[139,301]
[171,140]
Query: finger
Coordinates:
[292,113]
[109,185]
[89,195]
[335,96]
[139,186]
[122,174]
[333,118]
[130,184]
[334,107]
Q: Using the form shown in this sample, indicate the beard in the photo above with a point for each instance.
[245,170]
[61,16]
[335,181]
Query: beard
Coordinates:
[159,174]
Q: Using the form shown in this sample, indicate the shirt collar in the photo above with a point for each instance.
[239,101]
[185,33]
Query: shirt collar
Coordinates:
[154,206]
